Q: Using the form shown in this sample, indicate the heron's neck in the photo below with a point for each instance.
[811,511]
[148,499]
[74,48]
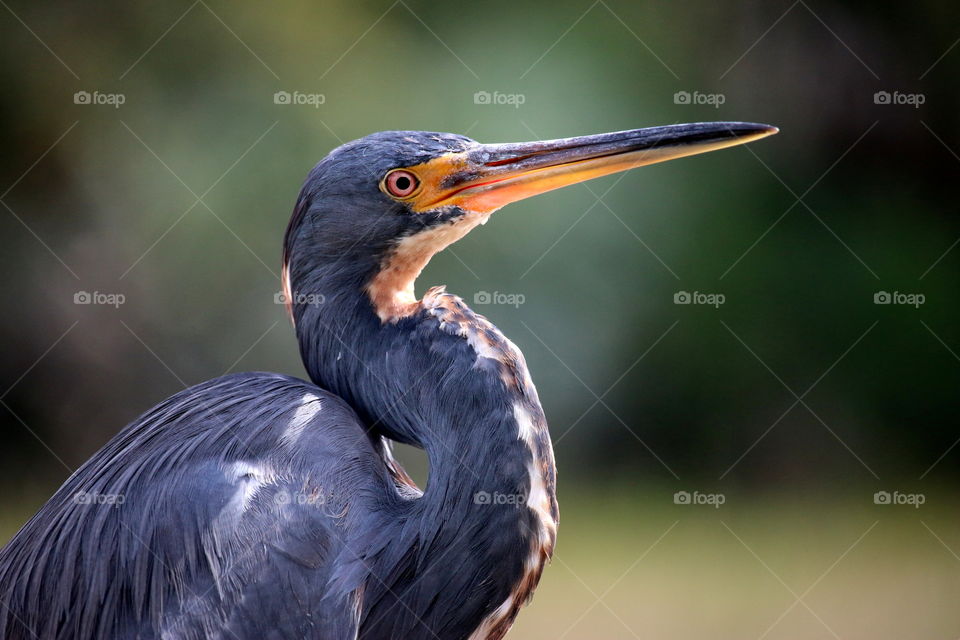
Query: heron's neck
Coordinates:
[446,380]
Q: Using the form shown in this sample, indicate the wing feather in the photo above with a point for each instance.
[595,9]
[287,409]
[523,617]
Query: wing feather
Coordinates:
[222,512]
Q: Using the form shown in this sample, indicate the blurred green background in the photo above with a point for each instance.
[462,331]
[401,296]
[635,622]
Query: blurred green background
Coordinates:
[795,401]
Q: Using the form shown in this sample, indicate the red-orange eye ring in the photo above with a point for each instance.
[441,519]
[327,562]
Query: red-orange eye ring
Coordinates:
[401,183]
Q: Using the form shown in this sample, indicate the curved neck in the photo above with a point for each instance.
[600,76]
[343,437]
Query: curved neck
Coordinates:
[446,380]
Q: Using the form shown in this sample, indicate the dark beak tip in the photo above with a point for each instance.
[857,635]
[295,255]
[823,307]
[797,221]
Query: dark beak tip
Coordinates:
[750,130]
[743,128]
[765,129]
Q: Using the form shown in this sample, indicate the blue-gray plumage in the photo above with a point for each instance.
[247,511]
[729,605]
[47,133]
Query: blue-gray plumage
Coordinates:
[262,506]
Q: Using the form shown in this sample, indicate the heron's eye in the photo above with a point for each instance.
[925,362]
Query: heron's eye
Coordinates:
[401,183]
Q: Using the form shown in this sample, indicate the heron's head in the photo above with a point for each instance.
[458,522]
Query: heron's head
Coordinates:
[375,210]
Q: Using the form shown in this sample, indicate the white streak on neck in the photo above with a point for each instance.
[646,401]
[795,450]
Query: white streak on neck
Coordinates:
[539,499]
[391,290]
[496,616]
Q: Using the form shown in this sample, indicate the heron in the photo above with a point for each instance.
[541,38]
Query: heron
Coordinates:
[261,506]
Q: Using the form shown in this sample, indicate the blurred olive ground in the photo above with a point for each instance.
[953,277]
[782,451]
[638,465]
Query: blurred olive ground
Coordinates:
[646,568]
[737,571]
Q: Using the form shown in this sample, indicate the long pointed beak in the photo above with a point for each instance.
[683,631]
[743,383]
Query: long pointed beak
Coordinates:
[490,176]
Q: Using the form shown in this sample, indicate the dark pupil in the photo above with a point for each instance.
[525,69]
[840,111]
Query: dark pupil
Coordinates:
[403,183]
